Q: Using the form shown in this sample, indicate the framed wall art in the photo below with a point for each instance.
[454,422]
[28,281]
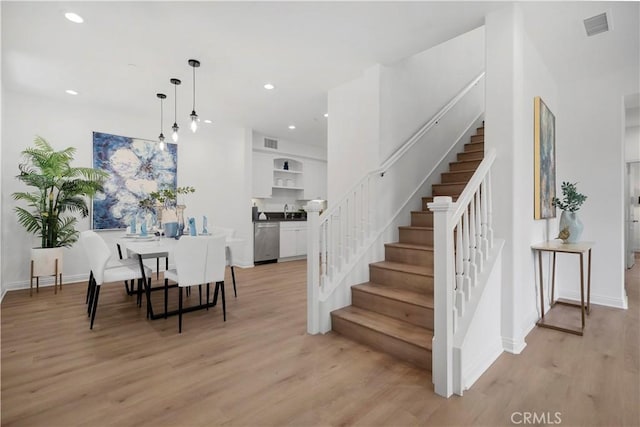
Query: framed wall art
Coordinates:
[544,159]
[136,168]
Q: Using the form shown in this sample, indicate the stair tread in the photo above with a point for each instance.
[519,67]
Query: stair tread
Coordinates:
[451,183]
[422,212]
[400,294]
[420,337]
[466,161]
[477,150]
[413,227]
[411,245]
[408,268]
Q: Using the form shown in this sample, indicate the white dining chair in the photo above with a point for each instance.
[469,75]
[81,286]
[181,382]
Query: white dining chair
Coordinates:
[228,232]
[103,270]
[215,269]
[190,257]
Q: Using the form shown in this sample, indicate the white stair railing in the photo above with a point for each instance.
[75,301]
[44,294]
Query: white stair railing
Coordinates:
[337,238]
[467,222]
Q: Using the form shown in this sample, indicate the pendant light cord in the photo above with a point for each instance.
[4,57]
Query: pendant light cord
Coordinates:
[175,103]
[194,88]
[161,115]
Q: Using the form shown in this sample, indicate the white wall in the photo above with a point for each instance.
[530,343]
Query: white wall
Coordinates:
[589,150]
[414,89]
[353,132]
[515,75]
[212,160]
[632,144]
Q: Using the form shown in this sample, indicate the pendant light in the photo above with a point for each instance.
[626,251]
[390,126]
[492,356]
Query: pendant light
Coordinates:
[174,134]
[194,117]
[162,96]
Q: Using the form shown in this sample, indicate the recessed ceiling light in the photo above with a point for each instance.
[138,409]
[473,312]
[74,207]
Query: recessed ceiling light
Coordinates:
[269,86]
[208,121]
[292,127]
[326,114]
[71,92]
[74,17]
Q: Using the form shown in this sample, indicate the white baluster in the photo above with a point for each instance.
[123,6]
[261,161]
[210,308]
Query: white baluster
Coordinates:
[472,233]
[323,253]
[469,273]
[459,270]
[483,218]
[489,211]
[478,230]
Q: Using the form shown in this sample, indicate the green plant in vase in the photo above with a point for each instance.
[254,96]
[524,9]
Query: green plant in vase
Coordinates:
[570,228]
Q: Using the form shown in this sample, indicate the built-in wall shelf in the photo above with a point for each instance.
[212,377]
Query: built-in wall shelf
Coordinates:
[287,174]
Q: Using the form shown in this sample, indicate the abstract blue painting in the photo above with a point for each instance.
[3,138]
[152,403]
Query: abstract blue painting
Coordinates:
[136,168]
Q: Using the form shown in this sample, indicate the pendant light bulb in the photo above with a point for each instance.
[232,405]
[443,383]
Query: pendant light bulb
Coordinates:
[174,128]
[194,122]
[161,145]
[194,63]
[174,134]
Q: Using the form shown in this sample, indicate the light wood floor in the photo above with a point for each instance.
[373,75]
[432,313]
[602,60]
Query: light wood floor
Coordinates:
[261,368]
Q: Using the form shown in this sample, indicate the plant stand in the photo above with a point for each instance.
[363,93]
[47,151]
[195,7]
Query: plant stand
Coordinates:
[46,262]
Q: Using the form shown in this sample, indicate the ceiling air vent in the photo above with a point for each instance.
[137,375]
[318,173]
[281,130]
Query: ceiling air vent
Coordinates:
[271,143]
[596,24]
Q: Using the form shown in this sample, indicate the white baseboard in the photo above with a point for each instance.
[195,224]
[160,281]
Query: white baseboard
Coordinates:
[513,346]
[482,363]
[46,281]
[597,299]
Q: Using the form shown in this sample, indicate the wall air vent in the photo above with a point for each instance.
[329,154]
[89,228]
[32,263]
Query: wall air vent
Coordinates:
[271,143]
[596,24]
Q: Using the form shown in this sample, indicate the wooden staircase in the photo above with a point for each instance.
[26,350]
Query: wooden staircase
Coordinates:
[393,311]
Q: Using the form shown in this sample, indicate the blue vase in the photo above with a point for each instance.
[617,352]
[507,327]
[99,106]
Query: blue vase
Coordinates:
[570,222]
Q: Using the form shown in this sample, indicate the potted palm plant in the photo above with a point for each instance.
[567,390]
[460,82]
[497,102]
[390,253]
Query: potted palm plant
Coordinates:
[570,228]
[59,192]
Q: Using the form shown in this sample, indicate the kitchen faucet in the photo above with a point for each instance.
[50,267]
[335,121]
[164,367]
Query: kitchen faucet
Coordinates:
[286,207]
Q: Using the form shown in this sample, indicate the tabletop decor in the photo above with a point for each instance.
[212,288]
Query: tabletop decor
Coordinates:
[59,193]
[136,169]
[570,228]
[544,158]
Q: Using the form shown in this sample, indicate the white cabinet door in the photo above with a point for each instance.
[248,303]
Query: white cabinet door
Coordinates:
[262,175]
[287,242]
[301,241]
[315,180]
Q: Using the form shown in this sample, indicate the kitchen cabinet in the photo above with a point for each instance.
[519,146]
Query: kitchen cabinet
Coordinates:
[262,175]
[293,239]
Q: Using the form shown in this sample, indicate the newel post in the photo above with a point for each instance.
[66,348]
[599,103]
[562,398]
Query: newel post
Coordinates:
[313,209]
[443,288]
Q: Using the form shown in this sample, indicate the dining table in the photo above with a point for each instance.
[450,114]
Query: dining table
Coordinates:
[147,247]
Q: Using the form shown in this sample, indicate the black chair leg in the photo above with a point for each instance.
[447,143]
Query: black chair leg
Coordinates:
[180,312]
[224,305]
[208,295]
[166,296]
[89,287]
[200,294]
[215,294]
[92,295]
[233,276]
[95,306]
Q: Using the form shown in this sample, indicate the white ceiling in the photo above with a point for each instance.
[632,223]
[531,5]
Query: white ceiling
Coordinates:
[125,52]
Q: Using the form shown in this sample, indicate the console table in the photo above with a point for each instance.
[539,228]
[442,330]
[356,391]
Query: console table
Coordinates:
[580,248]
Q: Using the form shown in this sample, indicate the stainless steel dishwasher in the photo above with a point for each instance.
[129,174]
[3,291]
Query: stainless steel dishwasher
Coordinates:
[266,241]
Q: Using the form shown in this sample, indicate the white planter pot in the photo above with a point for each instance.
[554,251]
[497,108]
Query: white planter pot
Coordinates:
[46,262]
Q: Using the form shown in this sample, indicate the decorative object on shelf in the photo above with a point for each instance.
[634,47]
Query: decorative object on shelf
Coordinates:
[175,127]
[204,225]
[192,227]
[544,182]
[286,166]
[60,189]
[136,168]
[162,96]
[570,228]
[194,117]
